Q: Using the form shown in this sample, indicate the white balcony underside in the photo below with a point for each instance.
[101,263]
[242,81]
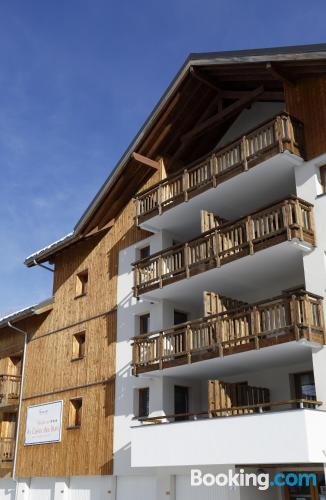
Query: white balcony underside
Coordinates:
[294,436]
[251,278]
[271,180]
[287,354]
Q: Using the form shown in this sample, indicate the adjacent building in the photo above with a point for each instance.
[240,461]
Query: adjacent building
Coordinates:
[186,328]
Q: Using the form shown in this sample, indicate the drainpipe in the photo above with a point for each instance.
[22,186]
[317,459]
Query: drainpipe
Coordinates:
[22,332]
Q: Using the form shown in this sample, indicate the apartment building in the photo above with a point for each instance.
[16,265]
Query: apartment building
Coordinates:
[186,328]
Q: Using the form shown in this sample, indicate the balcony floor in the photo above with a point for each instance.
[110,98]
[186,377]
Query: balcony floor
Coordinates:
[271,180]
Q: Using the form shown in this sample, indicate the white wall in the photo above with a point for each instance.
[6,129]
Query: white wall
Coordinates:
[249,119]
[277,379]
[309,188]
[295,436]
[55,488]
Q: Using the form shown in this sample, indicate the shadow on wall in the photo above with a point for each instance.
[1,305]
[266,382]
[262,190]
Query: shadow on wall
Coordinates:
[69,261]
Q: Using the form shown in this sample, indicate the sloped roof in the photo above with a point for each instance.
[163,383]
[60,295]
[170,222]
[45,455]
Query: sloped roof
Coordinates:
[25,313]
[309,53]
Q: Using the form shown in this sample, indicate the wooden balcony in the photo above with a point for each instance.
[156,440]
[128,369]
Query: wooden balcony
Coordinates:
[7,452]
[9,389]
[282,133]
[289,317]
[284,221]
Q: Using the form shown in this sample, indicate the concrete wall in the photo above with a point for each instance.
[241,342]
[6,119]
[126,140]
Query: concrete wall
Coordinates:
[309,188]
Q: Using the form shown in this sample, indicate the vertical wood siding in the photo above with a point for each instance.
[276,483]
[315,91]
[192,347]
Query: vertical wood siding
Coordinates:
[307,102]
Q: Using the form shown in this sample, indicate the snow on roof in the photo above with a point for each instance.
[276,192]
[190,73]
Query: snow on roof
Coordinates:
[22,313]
[53,246]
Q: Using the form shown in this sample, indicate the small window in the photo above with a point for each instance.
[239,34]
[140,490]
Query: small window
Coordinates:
[82,283]
[144,252]
[143,402]
[323,178]
[144,324]
[78,345]
[180,317]
[75,412]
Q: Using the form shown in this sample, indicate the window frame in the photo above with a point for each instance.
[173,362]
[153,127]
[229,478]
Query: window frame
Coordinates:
[142,249]
[75,413]
[141,392]
[76,346]
[141,317]
[82,284]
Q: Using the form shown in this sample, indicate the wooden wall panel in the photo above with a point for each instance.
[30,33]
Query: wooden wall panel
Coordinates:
[49,368]
[83,451]
[307,102]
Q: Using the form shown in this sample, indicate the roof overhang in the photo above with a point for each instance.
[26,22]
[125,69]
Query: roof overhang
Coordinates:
[279,54]
[36,309]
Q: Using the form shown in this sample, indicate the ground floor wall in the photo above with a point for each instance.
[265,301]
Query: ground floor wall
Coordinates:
[158,485]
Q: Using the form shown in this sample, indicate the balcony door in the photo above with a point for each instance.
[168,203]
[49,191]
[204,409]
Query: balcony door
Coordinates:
[305,386]
[181,402]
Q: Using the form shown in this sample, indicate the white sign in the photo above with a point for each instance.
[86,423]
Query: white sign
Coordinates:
[43,423]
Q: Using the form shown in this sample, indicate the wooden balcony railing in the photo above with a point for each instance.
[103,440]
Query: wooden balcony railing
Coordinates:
[292,404]
[288,219]
[7,451]
[9,388]
[282,133]
[286,318]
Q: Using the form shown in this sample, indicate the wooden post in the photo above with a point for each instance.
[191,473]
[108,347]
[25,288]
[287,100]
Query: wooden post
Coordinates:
[159,199]
[278,133]
[244,152]
[213,172]
[216,247]
[298,214]
[185,184]
[189,342]
[250,234]
[136,281]
[160,270]
[286,219]
[294,317]
[255,330]
[186,259]
[308,313]
[136,210]
[160,350]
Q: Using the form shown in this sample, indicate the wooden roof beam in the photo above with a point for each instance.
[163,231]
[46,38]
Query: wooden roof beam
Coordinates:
[146,161]
[279,75]
[212,106]
[226,113]
[204,80]
[268,95]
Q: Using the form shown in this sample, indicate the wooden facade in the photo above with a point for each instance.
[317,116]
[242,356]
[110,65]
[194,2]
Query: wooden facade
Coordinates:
[52,373]
[307,102]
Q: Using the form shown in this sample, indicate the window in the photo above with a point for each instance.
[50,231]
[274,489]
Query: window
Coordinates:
[180,317]
[82,283]
[144,252]
[78,345]
[305,386]
[75,412]
[143,402]
[323,178]
[144,324]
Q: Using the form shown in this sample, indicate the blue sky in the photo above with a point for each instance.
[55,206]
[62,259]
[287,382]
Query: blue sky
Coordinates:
[77,80]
